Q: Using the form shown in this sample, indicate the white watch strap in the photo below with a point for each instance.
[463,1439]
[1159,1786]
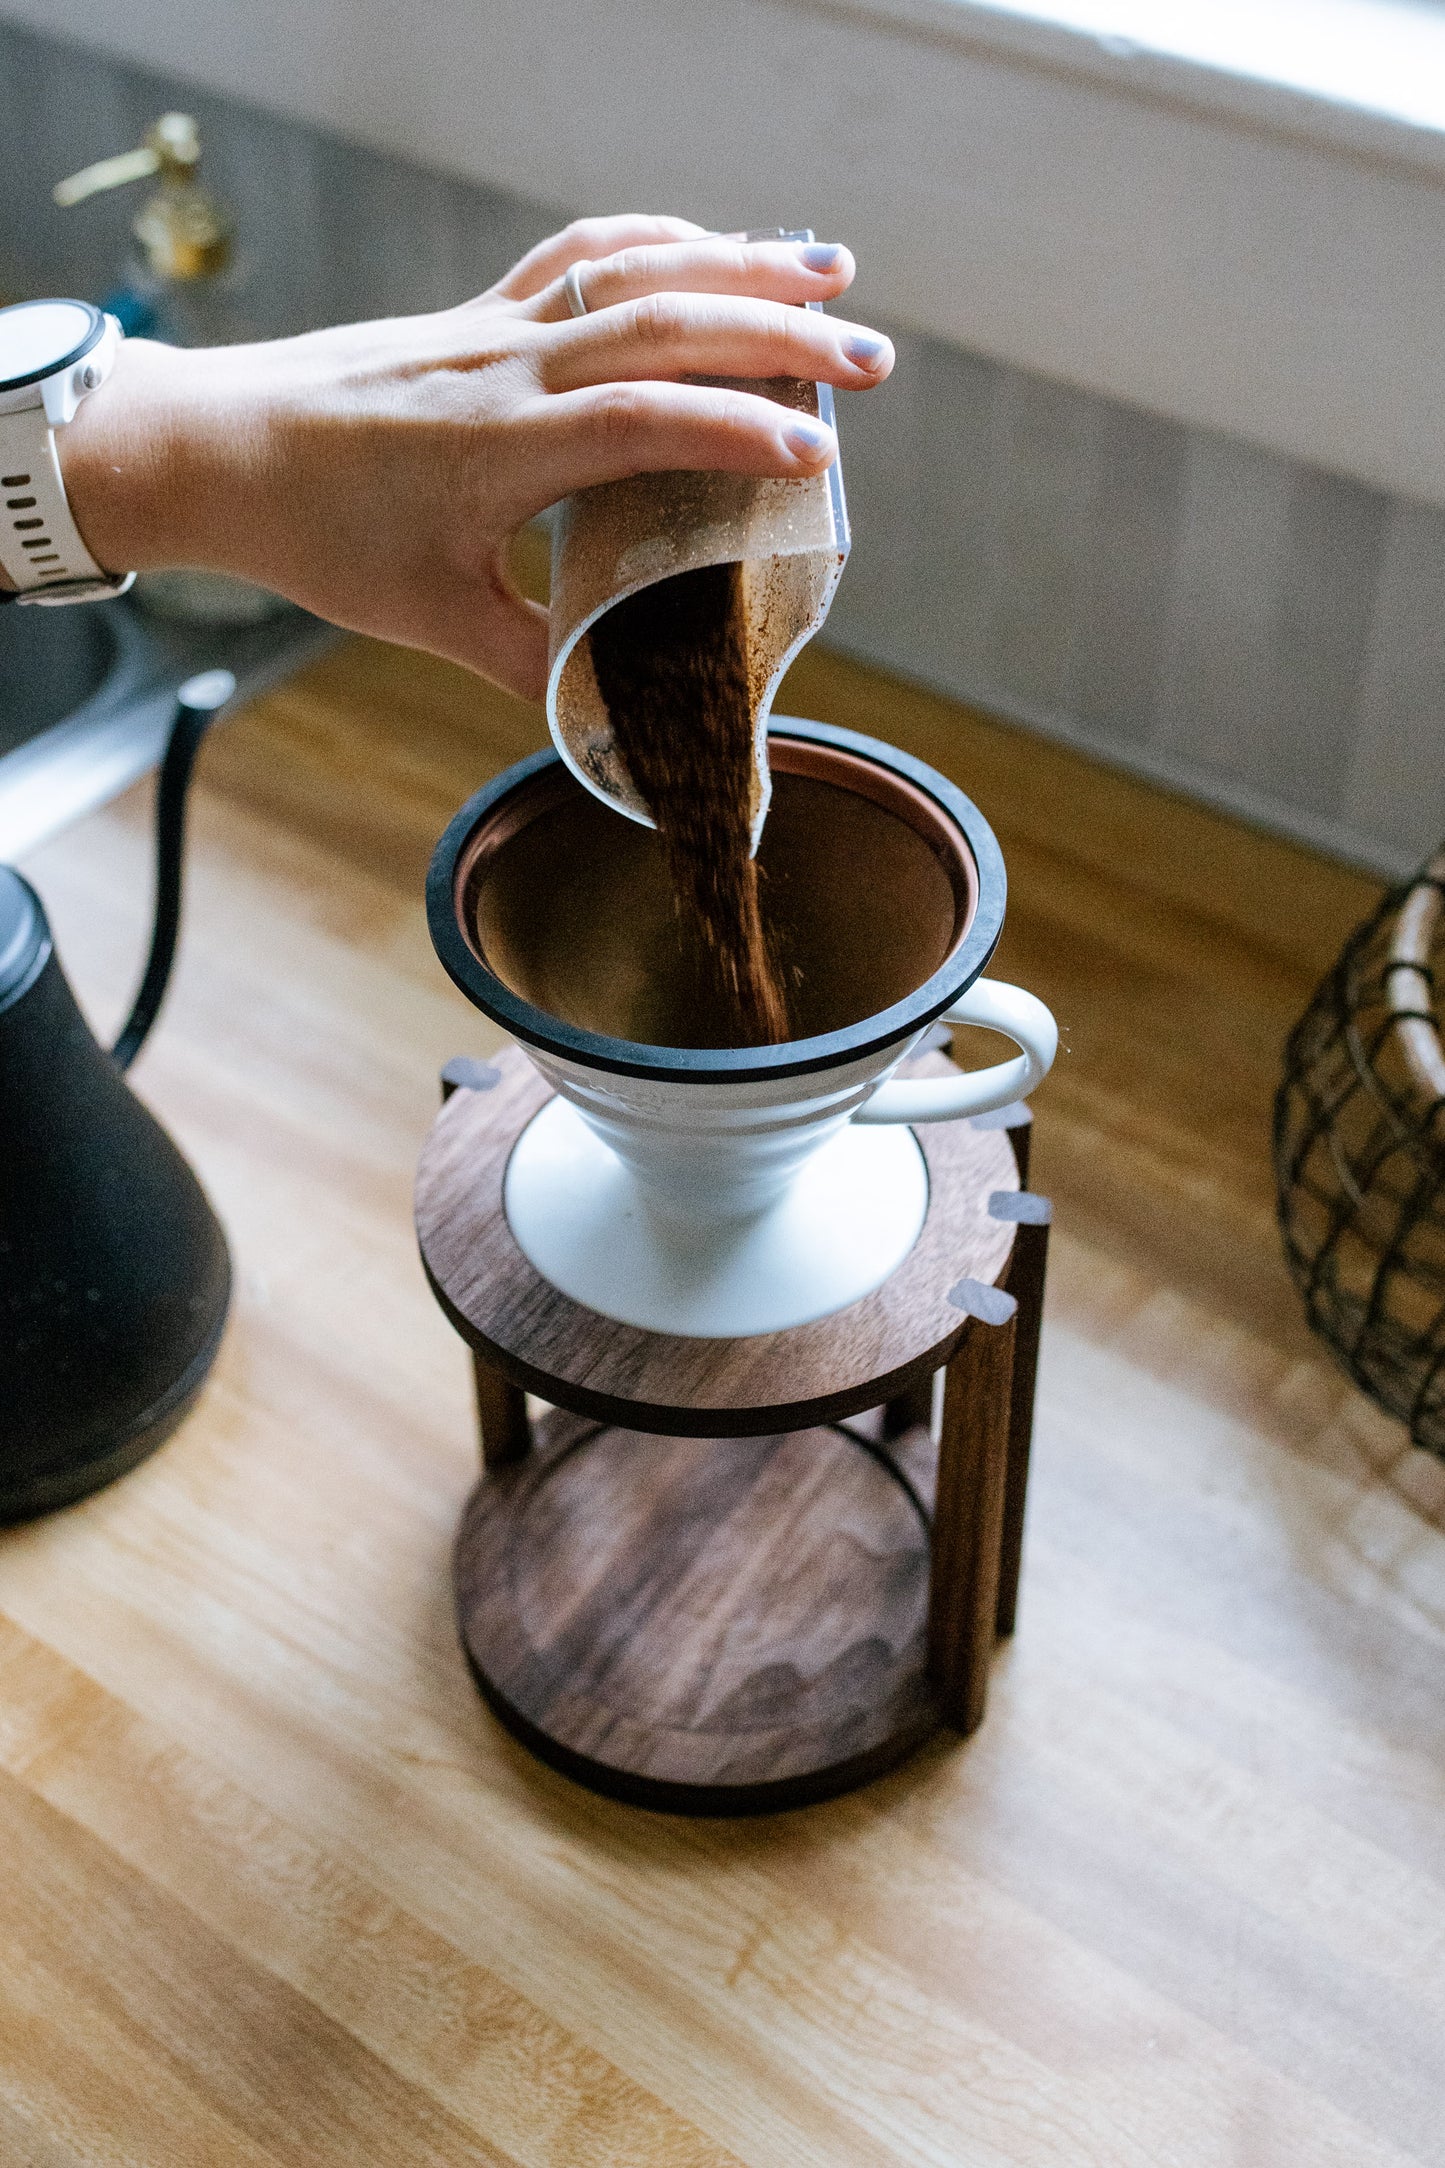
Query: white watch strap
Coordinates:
[40,544]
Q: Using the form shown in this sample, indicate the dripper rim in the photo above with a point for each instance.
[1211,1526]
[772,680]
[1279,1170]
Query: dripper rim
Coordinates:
[534,1026]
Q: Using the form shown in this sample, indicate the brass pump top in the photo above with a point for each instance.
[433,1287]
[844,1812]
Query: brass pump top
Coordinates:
[182,231]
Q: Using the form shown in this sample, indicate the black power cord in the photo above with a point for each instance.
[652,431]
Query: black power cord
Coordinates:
[197,704]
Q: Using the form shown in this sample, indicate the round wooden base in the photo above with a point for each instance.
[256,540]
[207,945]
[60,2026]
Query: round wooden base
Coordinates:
[706,1626]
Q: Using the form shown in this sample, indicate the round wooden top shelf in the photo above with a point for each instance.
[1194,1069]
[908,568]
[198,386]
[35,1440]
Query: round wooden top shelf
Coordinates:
[543,1341]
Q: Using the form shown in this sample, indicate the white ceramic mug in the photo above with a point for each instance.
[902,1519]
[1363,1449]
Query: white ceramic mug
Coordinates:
[719,1192]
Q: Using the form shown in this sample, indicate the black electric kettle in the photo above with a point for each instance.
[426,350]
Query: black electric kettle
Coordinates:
[114,1272]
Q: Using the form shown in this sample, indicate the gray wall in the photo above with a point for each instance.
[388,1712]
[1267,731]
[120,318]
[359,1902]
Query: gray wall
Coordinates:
[1247,628]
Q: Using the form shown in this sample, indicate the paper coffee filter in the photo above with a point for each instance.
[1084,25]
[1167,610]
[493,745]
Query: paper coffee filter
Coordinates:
[791,538]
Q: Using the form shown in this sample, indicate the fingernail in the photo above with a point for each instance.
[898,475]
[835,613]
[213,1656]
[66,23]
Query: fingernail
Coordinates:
[866,352]
[820,255]
[810,440]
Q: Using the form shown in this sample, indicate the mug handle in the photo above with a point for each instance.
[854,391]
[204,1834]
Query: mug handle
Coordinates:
[1019,1016]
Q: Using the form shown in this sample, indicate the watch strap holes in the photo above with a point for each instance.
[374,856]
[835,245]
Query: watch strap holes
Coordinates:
[18,504]
[14,481]
[21,524]
[38,542]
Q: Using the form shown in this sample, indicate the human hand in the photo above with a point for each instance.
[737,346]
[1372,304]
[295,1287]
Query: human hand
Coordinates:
[377,473]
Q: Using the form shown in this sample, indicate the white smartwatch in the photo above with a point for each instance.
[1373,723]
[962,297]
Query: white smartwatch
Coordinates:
[53,354]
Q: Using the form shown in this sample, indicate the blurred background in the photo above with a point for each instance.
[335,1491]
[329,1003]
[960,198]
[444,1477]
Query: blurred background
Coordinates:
[1161,469]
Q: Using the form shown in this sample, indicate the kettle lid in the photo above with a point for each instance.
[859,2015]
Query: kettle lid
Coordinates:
[24,936]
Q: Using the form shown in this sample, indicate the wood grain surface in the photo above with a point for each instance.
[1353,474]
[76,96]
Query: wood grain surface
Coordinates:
[813,1373]
[711,1625]
[279,1893]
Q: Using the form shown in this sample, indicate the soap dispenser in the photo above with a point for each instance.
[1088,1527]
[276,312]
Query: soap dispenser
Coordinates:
[181,289]
[185,240]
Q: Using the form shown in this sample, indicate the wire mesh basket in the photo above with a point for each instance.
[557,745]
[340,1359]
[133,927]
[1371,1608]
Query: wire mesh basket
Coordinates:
[1359,1154]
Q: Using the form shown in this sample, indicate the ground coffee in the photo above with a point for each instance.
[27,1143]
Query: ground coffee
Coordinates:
[672,666]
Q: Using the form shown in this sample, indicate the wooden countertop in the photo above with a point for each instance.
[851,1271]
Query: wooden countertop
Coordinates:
[278,1891]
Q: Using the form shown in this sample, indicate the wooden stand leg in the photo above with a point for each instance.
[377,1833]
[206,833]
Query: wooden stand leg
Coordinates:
[501,1417]
[1026,1283]
[915,1406]
[501,1406]
[968,1520]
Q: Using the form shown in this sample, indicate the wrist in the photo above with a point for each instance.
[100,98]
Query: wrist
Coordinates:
[128,460]
[173,460]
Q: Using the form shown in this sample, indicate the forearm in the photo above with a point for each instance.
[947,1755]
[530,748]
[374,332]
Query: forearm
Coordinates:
[164,459]
[147,460]
[260,461]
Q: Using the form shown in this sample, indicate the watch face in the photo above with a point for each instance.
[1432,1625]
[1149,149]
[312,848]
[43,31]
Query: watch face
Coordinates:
[38,338]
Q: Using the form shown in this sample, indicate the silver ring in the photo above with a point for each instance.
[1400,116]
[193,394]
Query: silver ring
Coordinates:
[573,284]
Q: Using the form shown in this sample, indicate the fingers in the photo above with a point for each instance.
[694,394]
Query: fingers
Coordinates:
[606,431]
[586,238]
[788,271]
[675,335]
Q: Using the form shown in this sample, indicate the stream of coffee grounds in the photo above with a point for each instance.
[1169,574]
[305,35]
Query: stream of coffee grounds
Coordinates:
[672,667]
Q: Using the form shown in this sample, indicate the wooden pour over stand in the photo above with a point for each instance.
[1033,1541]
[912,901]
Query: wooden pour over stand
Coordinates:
[694,1584]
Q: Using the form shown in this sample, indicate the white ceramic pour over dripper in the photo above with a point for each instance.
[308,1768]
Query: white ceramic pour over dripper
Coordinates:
[717,1193]
[746,1209]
